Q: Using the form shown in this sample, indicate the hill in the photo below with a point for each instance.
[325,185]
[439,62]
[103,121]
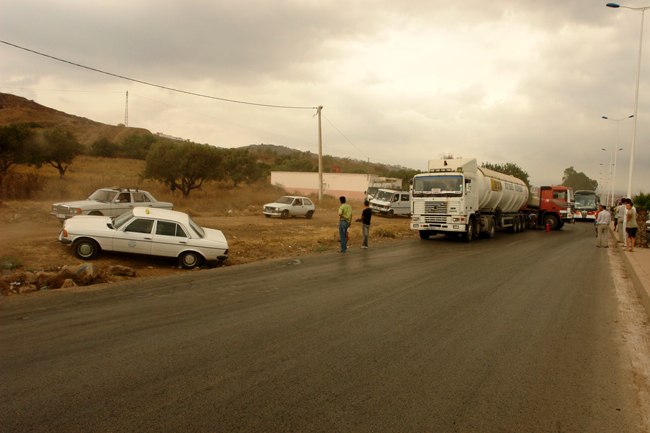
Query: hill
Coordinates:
[16,109]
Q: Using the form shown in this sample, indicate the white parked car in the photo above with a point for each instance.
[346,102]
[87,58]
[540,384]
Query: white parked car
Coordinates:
[290,205]
[108,202]
[156,232]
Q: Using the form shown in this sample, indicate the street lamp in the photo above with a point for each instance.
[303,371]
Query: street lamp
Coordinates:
[636,93]
[615,151]
[607,181]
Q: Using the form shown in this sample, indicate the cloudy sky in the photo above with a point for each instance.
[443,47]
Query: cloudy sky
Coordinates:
[522,81]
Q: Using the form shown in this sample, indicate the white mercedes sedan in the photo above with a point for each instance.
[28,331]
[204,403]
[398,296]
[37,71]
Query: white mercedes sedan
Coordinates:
[150,231]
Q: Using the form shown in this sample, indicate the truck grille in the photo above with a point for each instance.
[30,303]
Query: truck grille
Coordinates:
[435,219]
[429,207]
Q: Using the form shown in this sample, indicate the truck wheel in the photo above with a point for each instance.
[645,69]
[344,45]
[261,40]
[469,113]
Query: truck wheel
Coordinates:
[285,214]
[517,224]
[523,223]
[310,214]
[424,234]
[390,214]
[491,228]
[551,221]
[469,234]
[86,249]
[560,225]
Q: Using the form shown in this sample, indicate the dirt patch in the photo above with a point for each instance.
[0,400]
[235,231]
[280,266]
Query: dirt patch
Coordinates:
[33,240]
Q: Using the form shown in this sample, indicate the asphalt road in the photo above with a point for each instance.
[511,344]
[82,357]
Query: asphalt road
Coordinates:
[514,334]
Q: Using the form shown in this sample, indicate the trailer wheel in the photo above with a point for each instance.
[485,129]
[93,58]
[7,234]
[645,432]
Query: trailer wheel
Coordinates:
[517,224]
[523,223]
[551,221]
[471,228]
[424,234]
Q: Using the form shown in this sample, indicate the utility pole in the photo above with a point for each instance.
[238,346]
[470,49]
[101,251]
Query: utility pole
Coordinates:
[320,156]
[126,110]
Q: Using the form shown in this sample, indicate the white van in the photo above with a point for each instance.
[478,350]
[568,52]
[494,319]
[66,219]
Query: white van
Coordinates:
[391,202]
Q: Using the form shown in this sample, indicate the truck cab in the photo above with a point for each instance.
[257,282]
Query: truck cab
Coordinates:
[391,202]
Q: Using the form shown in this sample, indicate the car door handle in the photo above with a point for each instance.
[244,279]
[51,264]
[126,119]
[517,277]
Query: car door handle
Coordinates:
[182,242]
[147,239]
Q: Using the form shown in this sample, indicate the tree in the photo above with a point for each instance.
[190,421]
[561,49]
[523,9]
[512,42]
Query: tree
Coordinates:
[578,181]
[104,147]
[136,146]
[292,163]
[183,166]
[509,168]
[59,148]
[241,166]
[405,175]
[17,146]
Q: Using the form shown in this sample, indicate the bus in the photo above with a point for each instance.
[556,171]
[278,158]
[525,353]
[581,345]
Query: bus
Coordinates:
[586,205]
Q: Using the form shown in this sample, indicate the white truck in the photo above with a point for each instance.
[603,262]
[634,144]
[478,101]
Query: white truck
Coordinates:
[382,182]
[457,197]
[391,202]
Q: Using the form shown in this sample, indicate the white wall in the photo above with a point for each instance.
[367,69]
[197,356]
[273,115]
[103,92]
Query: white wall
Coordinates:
[350,185]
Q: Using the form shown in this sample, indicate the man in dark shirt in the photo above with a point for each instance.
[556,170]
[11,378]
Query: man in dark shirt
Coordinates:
[365,220]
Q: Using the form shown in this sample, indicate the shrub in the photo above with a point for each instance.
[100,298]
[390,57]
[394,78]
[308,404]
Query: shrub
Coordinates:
[22,186]
[9,262]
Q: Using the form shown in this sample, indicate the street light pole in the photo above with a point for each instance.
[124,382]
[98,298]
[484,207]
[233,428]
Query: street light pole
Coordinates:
[636,93]
[615,151]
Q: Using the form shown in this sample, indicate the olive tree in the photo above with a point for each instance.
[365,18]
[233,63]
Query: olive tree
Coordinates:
[59,148]
[183,166]
[16,147]
[241,166]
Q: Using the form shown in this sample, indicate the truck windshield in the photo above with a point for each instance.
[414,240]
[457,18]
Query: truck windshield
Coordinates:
[384,195]
[586,200]
[438,186]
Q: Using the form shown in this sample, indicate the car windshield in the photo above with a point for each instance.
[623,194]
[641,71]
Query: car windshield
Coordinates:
[284,200]
[119,221]
[196,228]
[103,195]
[384,195]
[439,186]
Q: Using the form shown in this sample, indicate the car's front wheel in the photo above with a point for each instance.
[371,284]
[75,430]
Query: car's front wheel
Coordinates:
[190,260]
[86,249]
[285,214]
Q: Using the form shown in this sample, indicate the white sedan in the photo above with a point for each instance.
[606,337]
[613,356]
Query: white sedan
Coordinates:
[290,205]
[156,232]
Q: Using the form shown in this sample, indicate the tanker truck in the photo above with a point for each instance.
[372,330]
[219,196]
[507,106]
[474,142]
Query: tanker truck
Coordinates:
[457,197]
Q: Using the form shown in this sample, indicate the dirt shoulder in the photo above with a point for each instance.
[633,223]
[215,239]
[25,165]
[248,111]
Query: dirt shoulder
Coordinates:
[33,240]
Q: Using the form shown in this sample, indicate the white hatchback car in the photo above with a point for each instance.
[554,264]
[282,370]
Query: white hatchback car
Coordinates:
[290,205]
[156,232]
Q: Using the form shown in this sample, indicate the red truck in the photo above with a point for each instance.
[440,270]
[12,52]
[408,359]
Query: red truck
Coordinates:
[552,204]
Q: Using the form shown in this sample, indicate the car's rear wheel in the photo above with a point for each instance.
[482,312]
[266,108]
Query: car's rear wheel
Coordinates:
[267,215]
[95,212]
[86,249]
[310,214]
[190,260]
[285,214]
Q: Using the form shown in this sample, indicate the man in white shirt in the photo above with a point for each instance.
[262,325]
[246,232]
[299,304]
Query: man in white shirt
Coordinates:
[604,218]
[620,223]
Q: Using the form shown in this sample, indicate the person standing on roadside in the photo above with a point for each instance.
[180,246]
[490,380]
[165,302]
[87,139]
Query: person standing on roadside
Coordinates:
[365,221]
[602,224]
[620,221]
[345,218]
[630,226]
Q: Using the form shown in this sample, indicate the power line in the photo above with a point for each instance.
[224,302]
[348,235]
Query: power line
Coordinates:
[152,84]
[367,157]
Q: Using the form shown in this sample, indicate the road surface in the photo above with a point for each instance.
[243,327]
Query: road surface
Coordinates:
[514,334]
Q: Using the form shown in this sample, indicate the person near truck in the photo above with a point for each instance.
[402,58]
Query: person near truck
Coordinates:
[602,223]
[620,221]
[345,218]
[365,223]
[630,226]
